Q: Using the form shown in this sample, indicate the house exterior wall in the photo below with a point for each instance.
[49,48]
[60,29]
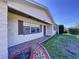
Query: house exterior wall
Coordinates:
[50,30]
[3,30]
[13,37]
[53,30]
[30,10]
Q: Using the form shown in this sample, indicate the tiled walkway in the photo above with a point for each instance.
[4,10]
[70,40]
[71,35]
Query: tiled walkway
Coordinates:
[15,50]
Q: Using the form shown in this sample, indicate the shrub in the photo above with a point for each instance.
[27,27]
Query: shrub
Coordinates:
[65,31]
[74,31]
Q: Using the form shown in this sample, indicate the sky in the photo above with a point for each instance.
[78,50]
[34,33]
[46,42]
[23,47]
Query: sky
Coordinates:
[64,12]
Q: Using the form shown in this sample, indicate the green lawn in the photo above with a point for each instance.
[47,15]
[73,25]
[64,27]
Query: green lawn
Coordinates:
[56,46]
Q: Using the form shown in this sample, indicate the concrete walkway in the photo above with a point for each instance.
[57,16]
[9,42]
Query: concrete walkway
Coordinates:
[15,50]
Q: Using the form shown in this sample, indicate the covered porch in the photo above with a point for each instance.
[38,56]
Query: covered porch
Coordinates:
[27,28]
[15,38]
[19,43]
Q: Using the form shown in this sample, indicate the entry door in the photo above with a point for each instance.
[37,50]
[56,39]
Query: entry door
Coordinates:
[44,30]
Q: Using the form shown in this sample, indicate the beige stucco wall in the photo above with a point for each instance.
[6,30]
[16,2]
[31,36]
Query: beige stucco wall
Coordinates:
[3,31]
[50,30]
[32,10]
[13,37]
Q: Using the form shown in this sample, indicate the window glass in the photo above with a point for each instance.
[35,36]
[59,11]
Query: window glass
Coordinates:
[35,28]
[26,30]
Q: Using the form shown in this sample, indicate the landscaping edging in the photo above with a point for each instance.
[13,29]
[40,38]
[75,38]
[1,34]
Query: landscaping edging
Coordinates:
[46,52]
[39,53]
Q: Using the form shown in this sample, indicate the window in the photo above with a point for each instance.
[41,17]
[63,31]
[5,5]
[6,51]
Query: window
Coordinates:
[33,30]
[26,30]
[20,27]
[36,29]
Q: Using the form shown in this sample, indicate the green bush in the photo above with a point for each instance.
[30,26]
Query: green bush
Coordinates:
[74,31]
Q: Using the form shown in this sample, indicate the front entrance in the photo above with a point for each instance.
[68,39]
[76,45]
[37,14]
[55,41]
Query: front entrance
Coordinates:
[44,30]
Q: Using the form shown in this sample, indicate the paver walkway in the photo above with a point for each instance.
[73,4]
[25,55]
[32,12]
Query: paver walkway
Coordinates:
[15,50]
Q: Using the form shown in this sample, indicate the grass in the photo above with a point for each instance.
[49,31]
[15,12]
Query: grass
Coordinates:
[55,48]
